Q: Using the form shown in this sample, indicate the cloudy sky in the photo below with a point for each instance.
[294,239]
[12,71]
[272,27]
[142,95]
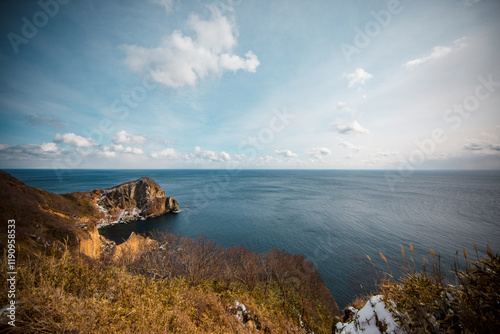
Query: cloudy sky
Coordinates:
[250,84]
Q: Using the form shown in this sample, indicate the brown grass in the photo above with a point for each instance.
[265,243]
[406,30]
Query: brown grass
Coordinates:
[181,288]
[431,302]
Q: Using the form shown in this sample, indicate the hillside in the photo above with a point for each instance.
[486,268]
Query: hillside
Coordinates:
[43,218]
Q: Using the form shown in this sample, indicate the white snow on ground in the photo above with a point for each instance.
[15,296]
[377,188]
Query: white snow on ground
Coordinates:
[101,208]
[241,306]
[239,311]
[124,217]
[102,223]
[373,318]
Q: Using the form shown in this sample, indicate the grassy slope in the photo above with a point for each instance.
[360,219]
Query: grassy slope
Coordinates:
[42,217]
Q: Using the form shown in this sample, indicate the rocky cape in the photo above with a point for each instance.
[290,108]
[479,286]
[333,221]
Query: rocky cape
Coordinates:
[47,219]
[130,201]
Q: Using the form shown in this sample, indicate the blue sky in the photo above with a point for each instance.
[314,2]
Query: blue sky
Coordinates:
[250,84]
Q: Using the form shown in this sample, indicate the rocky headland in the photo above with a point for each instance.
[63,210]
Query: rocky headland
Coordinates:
[130,201]
[45,218]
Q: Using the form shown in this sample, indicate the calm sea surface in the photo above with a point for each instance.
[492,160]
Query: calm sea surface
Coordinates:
[334,218]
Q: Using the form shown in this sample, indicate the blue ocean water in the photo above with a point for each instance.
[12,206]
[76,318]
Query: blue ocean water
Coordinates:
[334,218]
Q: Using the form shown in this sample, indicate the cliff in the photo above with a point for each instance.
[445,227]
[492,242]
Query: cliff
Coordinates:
[47,219]
[129,201]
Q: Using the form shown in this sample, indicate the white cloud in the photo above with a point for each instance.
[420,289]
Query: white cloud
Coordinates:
[167,4]
[224,156]
[112,149]
[286,153]
[268,161]
[45,151]
[107,154]
[122,137]
[439,52]
[234,63]
[49,147]
[240,156]
[320,152]
[206,156]
[168,153]
[359,76]
[134,150]
[482,147]
[74,140]
[183,60]
[349,145]
[115,148]
[343,106]
[353,128]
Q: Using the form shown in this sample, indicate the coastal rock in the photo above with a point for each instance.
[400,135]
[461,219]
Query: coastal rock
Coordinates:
[129,201]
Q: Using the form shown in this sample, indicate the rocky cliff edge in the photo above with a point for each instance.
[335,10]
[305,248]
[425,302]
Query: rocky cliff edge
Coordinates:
[135,200]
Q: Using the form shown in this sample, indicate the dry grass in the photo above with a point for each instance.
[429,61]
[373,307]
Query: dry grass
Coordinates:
[170,290]
[178,285]
[359,302]
[430,302]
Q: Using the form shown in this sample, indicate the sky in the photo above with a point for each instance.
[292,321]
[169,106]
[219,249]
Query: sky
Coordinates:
[402,85]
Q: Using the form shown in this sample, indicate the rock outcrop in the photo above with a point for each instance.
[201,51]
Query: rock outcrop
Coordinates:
[133,246]
[129,201]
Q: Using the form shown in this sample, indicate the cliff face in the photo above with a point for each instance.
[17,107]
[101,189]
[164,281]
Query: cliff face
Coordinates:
[129,201]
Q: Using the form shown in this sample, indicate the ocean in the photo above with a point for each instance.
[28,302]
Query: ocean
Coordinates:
[335,218]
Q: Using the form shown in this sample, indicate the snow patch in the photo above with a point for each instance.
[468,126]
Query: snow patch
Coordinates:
[373,318]
[239,311]
[124,217]
[101,208]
